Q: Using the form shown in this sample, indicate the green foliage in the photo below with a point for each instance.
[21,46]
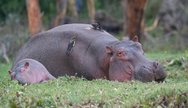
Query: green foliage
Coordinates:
[48,10]
[151,10]
[79,92]
[110,6]
[8,7]
[18,7]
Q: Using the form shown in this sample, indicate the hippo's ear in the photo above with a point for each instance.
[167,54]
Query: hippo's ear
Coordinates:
[135,39]
[26,65]
[109,50]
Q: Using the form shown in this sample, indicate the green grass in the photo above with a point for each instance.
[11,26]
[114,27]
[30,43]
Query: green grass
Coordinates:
[78,92]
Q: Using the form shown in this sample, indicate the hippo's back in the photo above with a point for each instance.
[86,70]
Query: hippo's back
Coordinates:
[50,47]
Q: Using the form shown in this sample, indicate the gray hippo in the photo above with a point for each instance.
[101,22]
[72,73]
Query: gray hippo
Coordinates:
[30,71]
[88,51]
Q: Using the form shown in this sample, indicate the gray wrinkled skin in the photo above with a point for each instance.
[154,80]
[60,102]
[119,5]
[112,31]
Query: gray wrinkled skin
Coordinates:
[130,52]
[93,54]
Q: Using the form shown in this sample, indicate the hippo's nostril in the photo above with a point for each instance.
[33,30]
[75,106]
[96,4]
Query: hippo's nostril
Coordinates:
[155,64]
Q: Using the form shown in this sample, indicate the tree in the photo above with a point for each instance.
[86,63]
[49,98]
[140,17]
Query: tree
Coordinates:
[72,8]
[133,17]
[61,7]
[91,10]
[34,16]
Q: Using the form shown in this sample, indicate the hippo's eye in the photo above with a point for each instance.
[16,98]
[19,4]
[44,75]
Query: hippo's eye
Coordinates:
[111,53]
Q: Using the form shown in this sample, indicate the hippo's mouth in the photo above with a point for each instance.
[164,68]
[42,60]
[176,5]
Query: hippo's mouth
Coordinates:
[160,80]
[12,75]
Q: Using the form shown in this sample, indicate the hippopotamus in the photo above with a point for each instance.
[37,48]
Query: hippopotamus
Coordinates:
[88,51]
[30,71]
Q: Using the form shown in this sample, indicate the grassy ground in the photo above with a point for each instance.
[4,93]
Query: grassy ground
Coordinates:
[77,92]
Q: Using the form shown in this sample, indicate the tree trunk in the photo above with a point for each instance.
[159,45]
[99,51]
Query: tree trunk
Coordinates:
[61,7]
[91,10]
[133,17]
[72,8]
[34,17]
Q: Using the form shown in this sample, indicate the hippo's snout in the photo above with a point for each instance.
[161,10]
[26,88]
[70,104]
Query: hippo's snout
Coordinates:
[152,72]
[159,72]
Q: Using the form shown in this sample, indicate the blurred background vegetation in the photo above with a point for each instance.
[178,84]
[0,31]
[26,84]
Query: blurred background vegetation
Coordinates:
[167,43]
[48,9]
[170,34]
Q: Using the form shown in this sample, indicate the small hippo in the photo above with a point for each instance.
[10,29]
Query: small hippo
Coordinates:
[89,51]
[30,71]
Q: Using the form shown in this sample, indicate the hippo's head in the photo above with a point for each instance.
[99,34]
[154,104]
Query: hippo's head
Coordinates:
[19,73]
[127,62]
